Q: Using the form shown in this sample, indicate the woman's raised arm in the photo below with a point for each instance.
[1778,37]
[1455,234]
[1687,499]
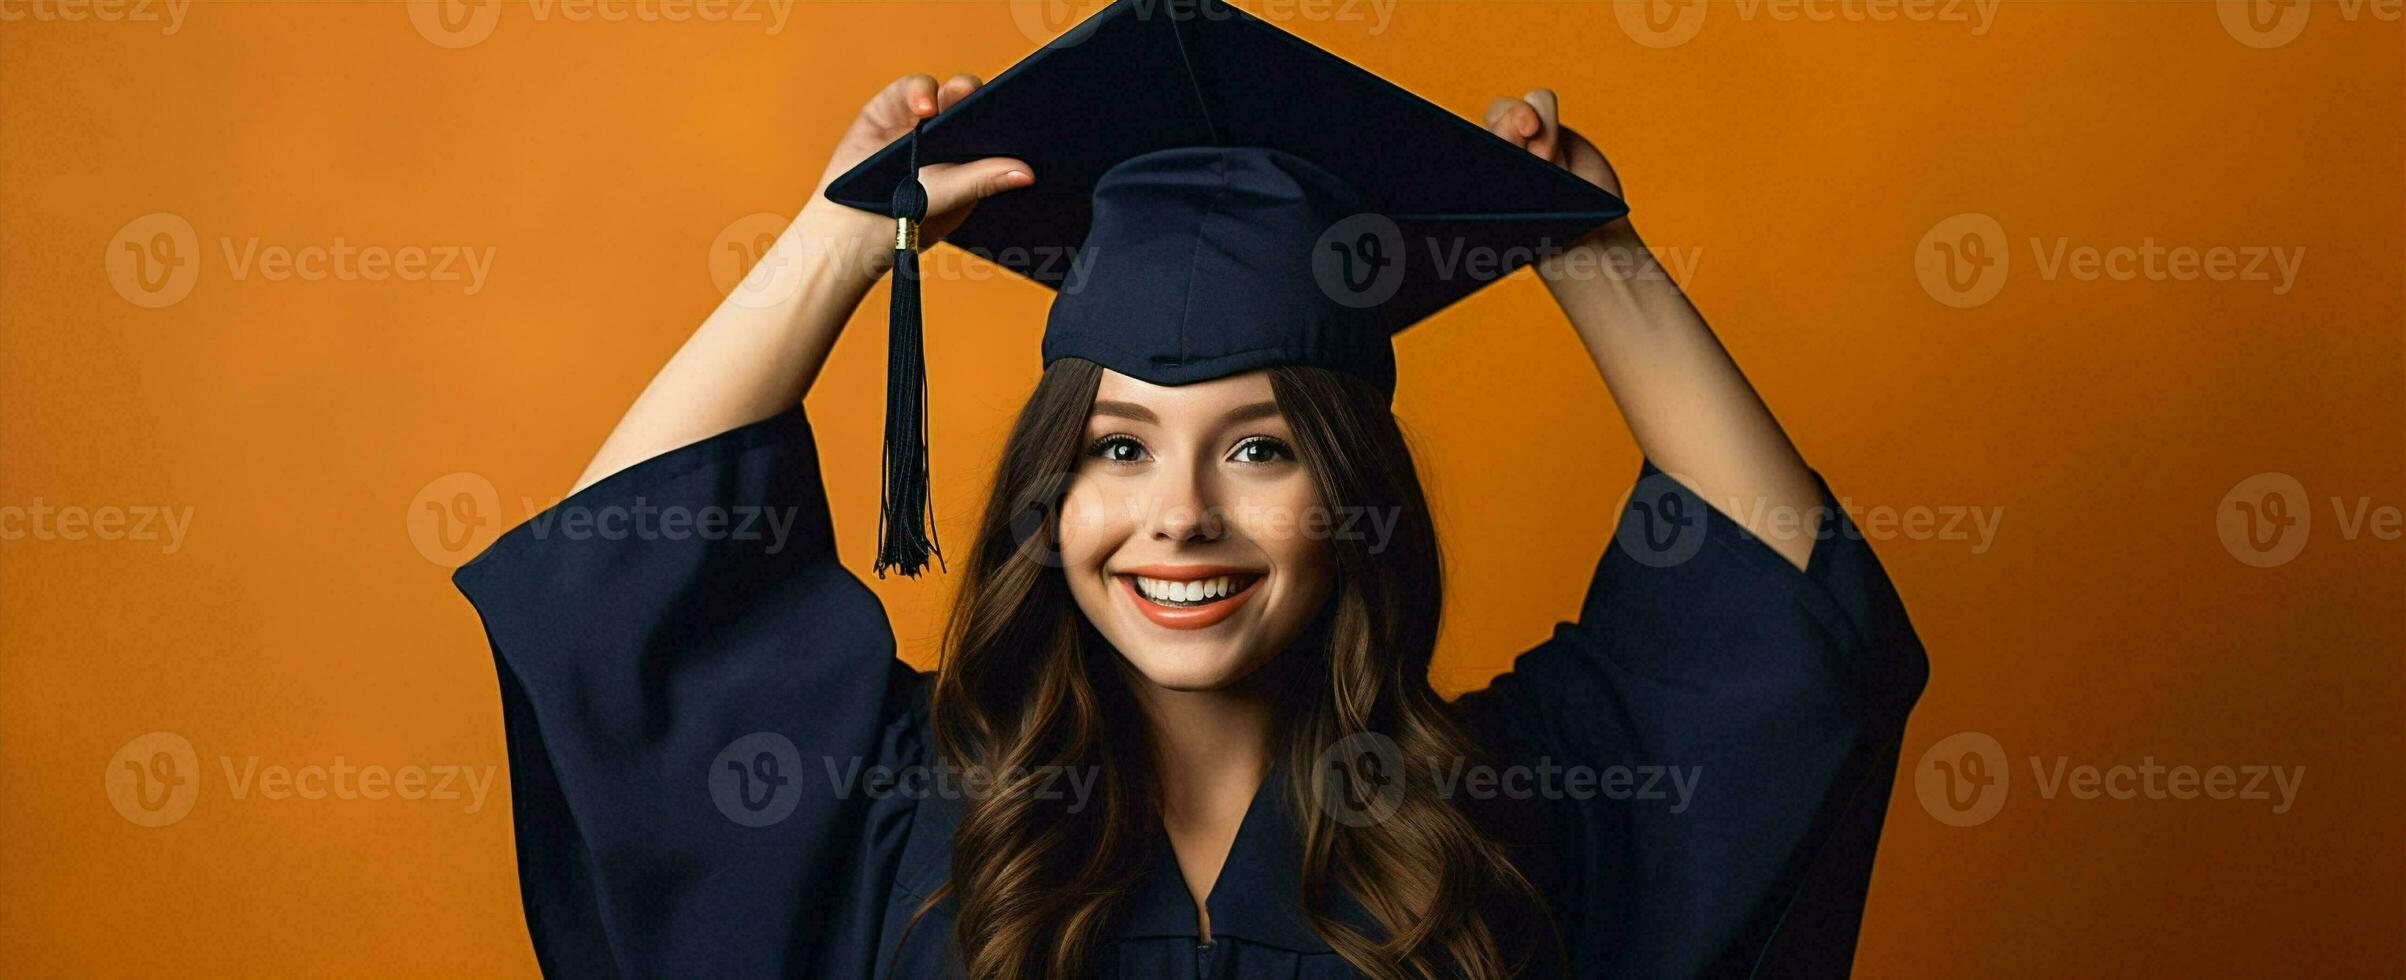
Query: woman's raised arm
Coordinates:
[1691,410]
[759,351]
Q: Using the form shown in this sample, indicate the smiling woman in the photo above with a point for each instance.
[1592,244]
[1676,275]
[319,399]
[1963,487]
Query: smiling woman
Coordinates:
[1155,602]
[1243,643]
[1182,519]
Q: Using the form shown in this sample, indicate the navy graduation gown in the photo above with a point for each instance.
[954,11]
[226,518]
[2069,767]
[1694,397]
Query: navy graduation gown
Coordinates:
[697,696]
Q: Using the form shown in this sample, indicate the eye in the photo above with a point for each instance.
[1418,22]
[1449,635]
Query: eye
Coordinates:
[1117,449]
[1262,449]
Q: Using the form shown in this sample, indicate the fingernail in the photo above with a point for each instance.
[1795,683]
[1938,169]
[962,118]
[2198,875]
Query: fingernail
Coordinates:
[1018,177]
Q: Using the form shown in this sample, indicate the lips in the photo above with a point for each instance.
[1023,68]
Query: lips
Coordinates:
[1188,597]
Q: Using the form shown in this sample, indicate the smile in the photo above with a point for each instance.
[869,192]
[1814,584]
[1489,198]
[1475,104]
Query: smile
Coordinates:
[1188,597]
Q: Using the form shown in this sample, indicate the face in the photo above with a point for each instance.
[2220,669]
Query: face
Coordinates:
[1183,534]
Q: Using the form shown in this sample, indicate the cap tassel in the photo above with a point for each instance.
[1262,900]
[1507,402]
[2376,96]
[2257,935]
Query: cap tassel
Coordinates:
[906,527]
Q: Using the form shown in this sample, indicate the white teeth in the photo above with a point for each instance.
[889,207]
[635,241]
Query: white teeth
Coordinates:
[1198,590]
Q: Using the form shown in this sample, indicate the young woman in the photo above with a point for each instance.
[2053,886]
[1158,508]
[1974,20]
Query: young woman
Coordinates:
[1175,732]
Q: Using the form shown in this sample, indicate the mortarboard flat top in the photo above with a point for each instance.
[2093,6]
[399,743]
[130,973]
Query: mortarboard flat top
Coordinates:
[1147,75]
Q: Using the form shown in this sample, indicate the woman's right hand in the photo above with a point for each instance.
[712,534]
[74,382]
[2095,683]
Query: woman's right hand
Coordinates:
[758,353]
[953,189]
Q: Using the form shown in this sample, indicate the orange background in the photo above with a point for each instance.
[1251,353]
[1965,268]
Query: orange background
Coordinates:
[300,421]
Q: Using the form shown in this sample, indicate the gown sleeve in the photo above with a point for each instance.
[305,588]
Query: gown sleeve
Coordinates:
[1777,696]
[689,681]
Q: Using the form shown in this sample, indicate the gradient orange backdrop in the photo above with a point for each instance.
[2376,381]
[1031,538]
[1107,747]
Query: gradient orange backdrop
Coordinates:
[1807,168]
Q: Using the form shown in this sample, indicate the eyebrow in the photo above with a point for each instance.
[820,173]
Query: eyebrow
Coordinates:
[1136,412]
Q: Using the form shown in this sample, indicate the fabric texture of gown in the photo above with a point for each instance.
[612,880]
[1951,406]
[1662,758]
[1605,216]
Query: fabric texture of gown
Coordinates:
[698,699]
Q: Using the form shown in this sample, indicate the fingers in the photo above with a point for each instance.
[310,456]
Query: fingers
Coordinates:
[1546,142]
[955,89]
[911,98]
[951,185]
[1512,119]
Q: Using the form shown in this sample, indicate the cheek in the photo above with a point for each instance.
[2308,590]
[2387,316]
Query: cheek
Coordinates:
[1290,526]
[1090,530]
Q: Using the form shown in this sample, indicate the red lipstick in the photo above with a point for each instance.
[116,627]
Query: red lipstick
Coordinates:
[1184,615]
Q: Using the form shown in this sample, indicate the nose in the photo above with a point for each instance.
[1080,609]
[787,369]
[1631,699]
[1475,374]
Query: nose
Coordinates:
[1185,507]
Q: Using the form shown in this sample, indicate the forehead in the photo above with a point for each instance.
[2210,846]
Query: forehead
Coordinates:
[1206,397]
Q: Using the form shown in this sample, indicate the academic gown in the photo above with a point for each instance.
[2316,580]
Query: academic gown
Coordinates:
[693,690]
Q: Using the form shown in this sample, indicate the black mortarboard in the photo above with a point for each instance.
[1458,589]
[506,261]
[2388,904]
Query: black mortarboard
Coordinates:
[1212,195]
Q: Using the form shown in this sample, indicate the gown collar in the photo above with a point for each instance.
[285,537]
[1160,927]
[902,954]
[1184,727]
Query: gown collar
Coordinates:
[1257,897]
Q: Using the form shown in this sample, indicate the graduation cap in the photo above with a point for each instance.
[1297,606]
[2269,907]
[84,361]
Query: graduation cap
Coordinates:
[1234,198]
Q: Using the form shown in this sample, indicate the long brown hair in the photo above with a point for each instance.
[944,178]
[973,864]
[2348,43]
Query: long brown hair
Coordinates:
[1026,684]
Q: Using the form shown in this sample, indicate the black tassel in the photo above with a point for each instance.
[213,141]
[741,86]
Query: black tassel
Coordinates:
[906,527]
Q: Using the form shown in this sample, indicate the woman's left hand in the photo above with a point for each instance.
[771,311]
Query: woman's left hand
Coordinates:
[1534,122]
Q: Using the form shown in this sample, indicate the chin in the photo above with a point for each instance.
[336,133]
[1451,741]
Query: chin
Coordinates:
[1175,670]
